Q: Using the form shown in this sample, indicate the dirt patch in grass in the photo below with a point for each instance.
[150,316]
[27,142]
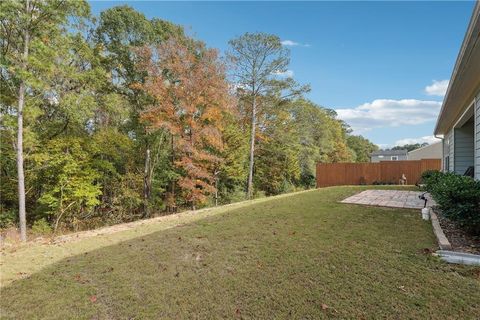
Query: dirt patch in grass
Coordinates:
[459,239]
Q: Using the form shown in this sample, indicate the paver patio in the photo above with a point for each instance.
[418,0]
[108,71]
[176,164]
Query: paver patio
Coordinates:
[390,198]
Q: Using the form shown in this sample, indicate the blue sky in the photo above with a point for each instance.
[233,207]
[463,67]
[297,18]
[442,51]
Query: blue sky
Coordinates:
[382,65]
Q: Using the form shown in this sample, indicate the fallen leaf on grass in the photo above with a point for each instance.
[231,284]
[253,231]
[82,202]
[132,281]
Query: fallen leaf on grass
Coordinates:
[93,299]
[325,307]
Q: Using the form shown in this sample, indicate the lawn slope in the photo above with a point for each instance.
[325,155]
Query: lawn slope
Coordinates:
[302,256]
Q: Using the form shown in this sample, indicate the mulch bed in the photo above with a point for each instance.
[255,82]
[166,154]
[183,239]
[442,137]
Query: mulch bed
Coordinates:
[459,239]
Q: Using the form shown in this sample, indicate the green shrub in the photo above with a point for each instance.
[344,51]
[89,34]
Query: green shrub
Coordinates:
[429,179]
[457,196]
[8,218]
[42,227]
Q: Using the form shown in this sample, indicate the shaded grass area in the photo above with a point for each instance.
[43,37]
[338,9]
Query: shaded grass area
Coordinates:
[302,256]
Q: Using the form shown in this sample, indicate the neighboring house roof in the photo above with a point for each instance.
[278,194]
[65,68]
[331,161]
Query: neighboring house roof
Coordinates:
[389,153]
[465,79]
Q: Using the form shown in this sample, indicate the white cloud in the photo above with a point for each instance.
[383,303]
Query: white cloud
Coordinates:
[427,139]
[290,43]
[437,88]
[284,74]
[389,113]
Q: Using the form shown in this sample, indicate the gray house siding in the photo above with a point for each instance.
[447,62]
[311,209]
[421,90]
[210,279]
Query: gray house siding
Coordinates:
[477,136]
[463,146]
[432,151]
[448,148]
[388,158]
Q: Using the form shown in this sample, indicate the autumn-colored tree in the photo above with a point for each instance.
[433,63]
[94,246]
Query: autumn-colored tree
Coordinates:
[191,96]
[106,132]
[120,29]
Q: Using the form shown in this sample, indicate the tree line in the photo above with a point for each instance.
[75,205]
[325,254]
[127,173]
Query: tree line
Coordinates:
[116,117]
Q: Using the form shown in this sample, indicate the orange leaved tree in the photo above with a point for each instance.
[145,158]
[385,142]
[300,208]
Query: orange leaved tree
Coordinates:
[191,97]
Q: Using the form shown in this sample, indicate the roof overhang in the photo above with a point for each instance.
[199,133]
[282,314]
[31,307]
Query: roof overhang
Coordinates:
[465,80]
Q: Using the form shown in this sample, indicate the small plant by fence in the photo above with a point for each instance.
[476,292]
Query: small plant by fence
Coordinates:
[385,172]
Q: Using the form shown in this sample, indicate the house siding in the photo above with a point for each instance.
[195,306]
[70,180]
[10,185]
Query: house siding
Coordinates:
[477,136]
[433,151]
[463,146]
[448,148]
[388,158]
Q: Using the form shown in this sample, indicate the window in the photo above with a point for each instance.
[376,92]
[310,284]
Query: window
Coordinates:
[380,156]
[446,166]
[394,158]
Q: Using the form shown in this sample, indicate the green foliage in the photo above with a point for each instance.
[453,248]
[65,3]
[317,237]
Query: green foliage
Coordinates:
[297,135]
[457,196]
[86,145]
[8,218]
[410,147]
[42,227]
[430,178]
[362,147]
[68,178]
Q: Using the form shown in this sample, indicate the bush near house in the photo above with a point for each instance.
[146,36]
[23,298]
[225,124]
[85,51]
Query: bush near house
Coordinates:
[457,196]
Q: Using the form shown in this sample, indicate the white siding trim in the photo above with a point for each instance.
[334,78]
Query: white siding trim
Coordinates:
[451,150]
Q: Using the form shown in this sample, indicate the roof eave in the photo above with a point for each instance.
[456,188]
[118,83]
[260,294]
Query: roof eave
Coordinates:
[442,124]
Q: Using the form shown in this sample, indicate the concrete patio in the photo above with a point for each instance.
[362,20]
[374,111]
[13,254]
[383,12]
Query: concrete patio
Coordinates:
[390,198]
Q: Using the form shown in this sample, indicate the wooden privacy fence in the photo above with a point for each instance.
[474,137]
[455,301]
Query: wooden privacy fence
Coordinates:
[390,172]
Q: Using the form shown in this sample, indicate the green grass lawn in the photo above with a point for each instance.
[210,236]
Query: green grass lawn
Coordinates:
[301,256]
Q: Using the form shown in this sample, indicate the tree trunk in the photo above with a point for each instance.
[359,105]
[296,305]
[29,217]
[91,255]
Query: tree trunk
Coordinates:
[216,188]
[146,185]
[170,200]
[21,102]
[252,148]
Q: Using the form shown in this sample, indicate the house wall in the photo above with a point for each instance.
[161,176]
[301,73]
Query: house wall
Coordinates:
[388,158]
[448,148]
[433,151]
[477,136]
[463,147]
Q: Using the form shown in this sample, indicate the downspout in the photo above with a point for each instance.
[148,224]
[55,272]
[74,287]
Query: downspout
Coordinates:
[443,151]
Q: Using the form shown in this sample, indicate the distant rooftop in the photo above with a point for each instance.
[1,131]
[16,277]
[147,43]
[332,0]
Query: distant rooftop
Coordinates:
[389,152]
